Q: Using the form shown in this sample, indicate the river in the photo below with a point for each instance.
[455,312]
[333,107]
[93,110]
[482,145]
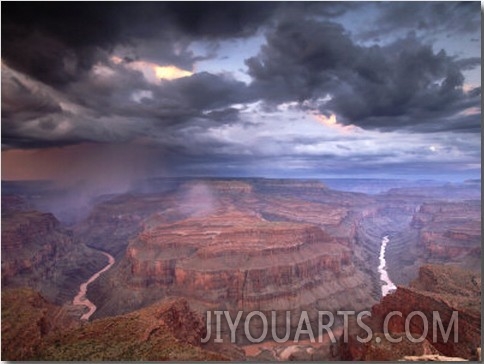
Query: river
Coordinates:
[388,286]
[81,299]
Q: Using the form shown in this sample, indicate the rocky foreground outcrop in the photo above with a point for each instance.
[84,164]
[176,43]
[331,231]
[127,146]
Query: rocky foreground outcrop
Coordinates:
[27,319]
[33,329]
[441,289]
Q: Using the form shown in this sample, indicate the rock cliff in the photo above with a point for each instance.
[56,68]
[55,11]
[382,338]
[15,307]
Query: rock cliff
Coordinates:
[27,319]
[437,232]
[33,329]
[450,230]
[236,246]
[38,252]
[441,289]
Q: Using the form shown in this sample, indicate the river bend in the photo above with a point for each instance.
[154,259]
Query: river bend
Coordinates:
[81,299]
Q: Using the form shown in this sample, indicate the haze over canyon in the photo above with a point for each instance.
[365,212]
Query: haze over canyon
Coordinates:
[169,165]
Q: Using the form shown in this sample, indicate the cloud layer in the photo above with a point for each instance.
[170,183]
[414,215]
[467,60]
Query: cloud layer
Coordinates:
[323,89]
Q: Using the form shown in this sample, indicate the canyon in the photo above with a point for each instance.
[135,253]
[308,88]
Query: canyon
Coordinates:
[241,244]
[40,253]
[244,245]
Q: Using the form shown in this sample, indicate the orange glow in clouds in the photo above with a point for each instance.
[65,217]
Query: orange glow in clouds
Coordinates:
[171,72]
[154,72]
[332,122]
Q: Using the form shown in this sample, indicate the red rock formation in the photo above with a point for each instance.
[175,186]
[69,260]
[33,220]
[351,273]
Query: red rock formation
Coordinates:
[235,257]
[449,230]
[234,245]
[30,241]
[38,253]
[27,319]
[442,289]
[33,329]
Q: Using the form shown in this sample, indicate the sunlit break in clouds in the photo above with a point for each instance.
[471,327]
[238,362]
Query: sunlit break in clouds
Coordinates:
[152,72]
[171,72]
[325,120]
[331,122]
[302,90]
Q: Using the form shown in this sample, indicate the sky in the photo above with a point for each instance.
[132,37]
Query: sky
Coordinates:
[113,92]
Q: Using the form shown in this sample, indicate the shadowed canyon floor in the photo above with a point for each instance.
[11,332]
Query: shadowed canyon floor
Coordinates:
[189,246]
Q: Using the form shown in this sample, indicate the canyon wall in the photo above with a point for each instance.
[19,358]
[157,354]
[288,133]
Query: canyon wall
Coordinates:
[264,245]
[237,246]
[38,252]
[432,231]
[442,289]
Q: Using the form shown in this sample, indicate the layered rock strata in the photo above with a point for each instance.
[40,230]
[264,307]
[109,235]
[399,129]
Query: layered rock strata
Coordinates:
[253,244]
[38,252]
[224,245]
[441,289]
[450,231]
[438,232]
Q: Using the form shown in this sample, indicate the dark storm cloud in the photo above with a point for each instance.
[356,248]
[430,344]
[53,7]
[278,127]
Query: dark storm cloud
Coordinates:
[57,42]
[23,103]
[46,58]
[476,91]
[468,63]
[64,45]
[206,91]
[404,83]
[69,90]
[448,17]
[219,19]
[225,116]
[171,101]
[112,103]
[301,59]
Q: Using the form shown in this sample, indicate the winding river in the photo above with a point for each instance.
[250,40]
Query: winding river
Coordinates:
[81,299]
[388,286]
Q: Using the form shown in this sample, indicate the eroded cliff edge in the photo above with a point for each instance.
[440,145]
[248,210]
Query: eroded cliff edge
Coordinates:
[444,289]
[34,329]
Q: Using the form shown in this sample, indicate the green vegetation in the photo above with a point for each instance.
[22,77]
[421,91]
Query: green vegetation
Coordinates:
[33,329]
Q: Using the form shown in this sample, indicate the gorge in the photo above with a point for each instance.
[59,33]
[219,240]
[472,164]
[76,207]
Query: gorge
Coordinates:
[80,299]
[241,181]
[387,286]
[236,245]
